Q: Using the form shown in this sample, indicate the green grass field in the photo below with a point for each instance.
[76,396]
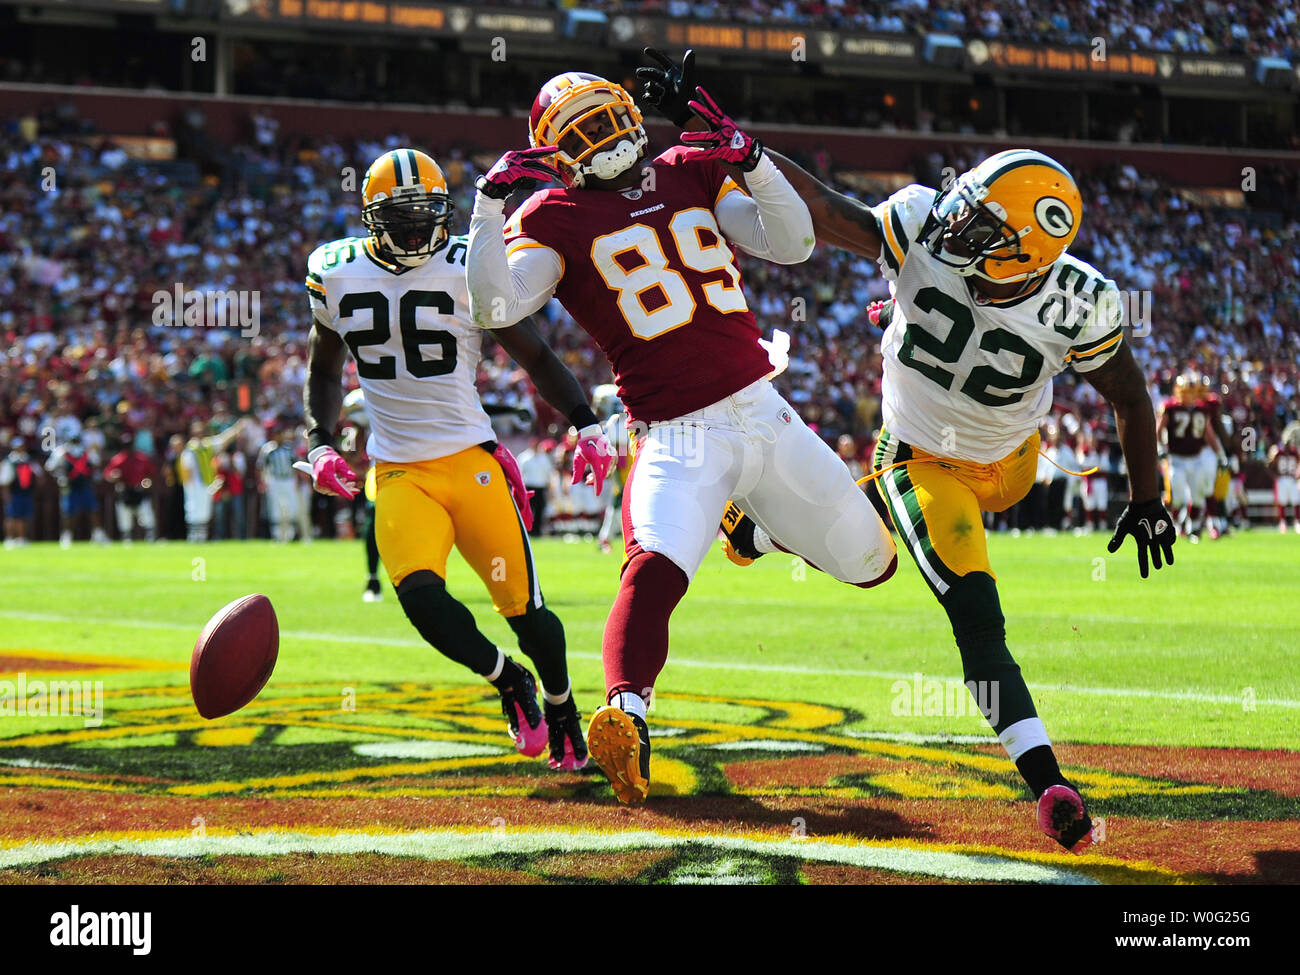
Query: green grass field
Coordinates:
[1200,656]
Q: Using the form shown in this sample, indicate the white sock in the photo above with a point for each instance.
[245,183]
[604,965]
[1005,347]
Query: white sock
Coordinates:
[630,703]
[1025,734]
[501,665]
[557,698]
[763,541]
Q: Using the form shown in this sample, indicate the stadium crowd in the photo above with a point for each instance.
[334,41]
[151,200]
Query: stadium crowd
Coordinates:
[1256,27]
[94,364]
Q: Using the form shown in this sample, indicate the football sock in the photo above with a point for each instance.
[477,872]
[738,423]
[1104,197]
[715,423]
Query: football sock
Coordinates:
[980,630]
[444,623]
[510,674]
[372,547]
[541,637]
[635,644]
[630,703]
[1039,769]
[557,698]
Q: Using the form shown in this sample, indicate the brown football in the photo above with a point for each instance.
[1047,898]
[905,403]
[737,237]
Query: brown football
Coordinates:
[234,656]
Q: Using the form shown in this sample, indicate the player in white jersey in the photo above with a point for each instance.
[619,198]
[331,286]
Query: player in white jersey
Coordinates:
[397,301]
[987,307]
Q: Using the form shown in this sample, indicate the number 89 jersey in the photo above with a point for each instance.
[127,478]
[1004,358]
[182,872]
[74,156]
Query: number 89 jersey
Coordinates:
[417,352]
[972,380]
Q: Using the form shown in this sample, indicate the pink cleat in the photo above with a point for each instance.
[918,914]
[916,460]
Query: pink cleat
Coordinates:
[1063,817]
[524,718]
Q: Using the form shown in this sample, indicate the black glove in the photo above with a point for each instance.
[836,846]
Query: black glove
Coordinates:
[669,88]
[1152,528]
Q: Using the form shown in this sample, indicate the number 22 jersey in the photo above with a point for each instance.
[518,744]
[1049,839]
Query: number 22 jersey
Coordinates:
[969,380]
[417,352]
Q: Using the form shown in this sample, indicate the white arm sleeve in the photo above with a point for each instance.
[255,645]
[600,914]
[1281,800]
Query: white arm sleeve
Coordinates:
[505,288]
[772,222]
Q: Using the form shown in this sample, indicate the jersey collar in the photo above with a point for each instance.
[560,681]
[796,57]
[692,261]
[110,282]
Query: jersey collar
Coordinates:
[379,260]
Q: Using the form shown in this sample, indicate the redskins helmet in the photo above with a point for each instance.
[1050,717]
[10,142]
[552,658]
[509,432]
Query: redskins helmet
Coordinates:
[1009,219]
[572,103]
[1187,387]
[405,206]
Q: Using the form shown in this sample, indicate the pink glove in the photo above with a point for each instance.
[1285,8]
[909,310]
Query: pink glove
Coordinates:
[595,451]
[330,473]
[725,141]
[515,478]
[879,312]
[515,168]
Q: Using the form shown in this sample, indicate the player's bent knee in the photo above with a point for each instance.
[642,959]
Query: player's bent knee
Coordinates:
[883,577]
[417,579]
[537,625]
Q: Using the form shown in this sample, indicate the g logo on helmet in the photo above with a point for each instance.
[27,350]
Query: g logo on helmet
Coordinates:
[1054,216]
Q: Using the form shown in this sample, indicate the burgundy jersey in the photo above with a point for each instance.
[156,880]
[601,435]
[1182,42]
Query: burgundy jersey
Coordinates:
[1286,463]
[650,277]
[1185,427]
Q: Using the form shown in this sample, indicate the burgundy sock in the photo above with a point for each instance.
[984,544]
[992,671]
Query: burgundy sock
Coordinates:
[635,646]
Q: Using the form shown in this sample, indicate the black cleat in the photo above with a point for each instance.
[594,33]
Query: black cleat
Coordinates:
[564,729]
[738,528]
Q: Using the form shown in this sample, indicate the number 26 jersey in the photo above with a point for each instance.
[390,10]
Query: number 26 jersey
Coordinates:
[971,380]
[416,349]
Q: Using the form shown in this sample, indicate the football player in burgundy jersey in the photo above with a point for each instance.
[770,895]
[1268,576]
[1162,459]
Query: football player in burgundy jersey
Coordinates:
[643,257]
[1187,426]
[1284,462]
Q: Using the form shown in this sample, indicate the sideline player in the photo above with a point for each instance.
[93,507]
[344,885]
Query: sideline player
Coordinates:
[1187,429]
[1284,464]
[641,257]
[987,307]
[397,301]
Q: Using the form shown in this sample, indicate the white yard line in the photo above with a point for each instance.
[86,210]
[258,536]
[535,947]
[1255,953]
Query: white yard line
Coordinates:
[739,664]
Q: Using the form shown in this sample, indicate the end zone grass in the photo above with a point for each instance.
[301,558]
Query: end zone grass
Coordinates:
[786,714]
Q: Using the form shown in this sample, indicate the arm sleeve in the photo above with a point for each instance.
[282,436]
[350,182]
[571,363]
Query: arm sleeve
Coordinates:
[771,222]
[506,285]
[901,218]
[1101,337]
[315,286]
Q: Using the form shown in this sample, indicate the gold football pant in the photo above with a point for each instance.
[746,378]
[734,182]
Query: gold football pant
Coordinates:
[936,504]
[422,508]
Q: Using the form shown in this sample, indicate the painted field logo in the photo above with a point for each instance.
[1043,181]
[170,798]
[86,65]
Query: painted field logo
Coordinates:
[930,697]
[104,929]
[53,699]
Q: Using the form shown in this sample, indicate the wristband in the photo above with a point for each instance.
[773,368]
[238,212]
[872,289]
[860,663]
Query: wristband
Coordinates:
[319,437]
[583,416]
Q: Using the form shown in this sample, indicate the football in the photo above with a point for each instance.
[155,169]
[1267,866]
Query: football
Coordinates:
[234,656]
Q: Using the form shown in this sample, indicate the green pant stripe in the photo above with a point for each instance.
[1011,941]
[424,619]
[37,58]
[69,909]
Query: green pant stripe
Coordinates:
[911,525]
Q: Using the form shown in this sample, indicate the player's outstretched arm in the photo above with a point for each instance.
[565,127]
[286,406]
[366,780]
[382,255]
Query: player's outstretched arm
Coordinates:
[837,219]
[554,382]
[506,287]
[1120,380]
[558,386]
[322,397]
[322,401]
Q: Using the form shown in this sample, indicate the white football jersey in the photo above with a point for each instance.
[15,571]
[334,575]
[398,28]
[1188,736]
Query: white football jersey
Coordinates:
[417,352]
[971,380]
